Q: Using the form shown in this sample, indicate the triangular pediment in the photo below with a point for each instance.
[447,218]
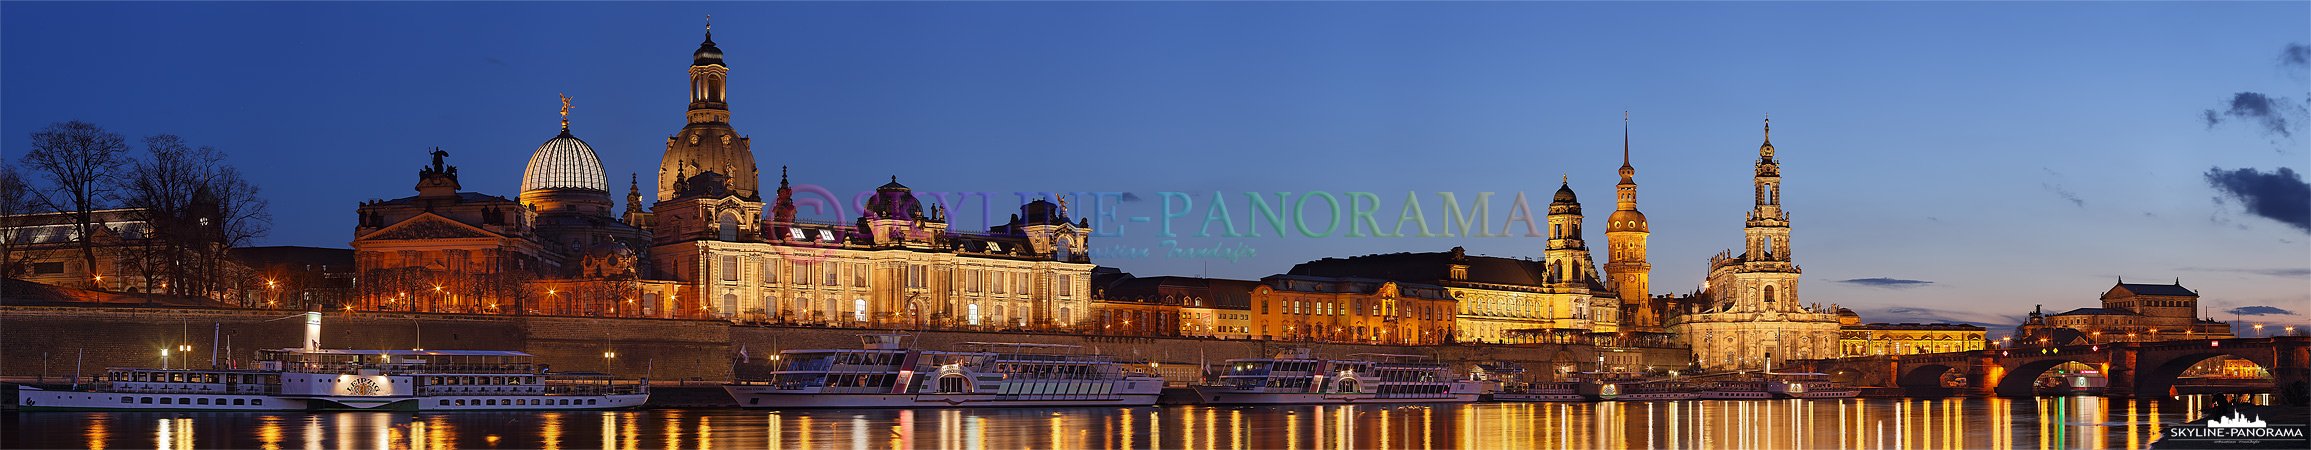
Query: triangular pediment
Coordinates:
[428,226]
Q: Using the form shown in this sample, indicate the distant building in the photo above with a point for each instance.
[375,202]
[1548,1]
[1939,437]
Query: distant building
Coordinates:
[49,245]
[2129,313]
[298,277]
[1859,339]
[1753,316]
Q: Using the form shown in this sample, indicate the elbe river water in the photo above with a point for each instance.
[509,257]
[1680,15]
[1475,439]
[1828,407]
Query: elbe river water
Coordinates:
[2072,422]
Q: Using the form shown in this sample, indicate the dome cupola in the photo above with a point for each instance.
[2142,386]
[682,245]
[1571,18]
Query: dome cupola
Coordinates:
[565,162]
[565,175]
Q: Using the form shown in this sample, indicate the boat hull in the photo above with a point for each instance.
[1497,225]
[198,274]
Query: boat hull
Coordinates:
[1734,395]
[1538,398]
[51,400]
[1652,396]
[1819,394]
[1215,395]
[759,397]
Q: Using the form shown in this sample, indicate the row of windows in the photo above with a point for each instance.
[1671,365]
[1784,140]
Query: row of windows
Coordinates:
[916,275]
[1302,307]
[520,402]
[191,401]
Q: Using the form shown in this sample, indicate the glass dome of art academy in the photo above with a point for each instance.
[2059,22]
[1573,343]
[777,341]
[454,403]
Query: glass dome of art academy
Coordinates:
[565,174]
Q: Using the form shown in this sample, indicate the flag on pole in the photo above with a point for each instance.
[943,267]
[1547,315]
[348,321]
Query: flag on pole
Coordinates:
[742,354]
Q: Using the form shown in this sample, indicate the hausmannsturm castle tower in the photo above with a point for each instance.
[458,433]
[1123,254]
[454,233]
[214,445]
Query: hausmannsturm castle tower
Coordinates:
[1625,233]
[1749,316]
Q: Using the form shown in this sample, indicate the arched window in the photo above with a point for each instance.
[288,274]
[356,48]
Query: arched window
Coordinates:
[1063,316]
[729,225]
[729,303]
[972,314]
[859,307]
[1769,293]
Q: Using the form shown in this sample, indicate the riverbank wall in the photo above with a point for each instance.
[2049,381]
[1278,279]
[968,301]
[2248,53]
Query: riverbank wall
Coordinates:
[37,340]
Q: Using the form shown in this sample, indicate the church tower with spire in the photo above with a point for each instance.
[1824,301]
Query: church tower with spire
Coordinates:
[1626,231]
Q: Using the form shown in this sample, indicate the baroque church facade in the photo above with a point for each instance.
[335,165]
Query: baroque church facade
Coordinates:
[704,248]
[1749,315]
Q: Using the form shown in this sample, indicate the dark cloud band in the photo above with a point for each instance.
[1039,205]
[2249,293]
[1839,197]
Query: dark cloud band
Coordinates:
[2278,195]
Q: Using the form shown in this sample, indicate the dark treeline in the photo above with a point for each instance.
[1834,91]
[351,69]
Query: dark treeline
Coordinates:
[185,209]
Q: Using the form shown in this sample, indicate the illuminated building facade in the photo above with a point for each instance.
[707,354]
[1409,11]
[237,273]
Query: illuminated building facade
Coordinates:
[1348,309]
[1868,339]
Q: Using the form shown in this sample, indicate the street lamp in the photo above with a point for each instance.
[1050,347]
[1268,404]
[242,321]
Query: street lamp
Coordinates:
[2259,330]
[164,359]
[606,357]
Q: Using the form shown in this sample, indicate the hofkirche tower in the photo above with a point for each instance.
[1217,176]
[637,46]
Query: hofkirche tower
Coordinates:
[1751,315]
[1626,231]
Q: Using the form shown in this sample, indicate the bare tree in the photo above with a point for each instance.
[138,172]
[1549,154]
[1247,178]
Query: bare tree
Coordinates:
[197,208]
[80,161]
[16,198]
[241,217]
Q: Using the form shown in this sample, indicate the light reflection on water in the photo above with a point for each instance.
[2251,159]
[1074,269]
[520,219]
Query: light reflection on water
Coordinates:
[2077,422]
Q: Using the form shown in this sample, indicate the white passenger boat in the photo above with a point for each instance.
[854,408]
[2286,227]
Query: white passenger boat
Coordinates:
[311,378]
[1631,386]
[1297,378]
[1806,385]
[888,374]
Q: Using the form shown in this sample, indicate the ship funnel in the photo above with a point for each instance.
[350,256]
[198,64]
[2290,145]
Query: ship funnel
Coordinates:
[312,331]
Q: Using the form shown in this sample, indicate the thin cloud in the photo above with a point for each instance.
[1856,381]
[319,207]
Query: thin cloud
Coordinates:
[2271,113]
[2282,273]
[2279,195]
[2259,311]
[2066,194]
[2295,55]
[1887,283]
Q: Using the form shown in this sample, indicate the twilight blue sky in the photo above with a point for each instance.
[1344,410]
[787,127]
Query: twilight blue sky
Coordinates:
[2002,154]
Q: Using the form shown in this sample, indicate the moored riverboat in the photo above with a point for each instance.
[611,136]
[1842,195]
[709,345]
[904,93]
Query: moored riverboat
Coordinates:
[312,379]
[1807,385]
[1630,386]
[1298,378]
[887,373]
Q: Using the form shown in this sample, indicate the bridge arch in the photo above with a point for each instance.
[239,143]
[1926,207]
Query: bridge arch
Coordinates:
[2153,379]
[1850,376]
[1925,380]
[2021,380]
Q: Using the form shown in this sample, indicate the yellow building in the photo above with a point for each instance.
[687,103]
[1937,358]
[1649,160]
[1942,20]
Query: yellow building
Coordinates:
[1860,339]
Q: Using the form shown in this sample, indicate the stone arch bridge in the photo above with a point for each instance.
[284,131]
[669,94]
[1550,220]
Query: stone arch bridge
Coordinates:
[2145,369]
